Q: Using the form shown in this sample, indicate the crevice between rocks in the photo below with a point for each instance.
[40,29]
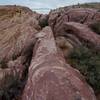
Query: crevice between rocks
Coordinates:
[15,89]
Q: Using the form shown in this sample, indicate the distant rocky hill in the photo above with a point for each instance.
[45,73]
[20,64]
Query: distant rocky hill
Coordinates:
[90,5]
[52,56]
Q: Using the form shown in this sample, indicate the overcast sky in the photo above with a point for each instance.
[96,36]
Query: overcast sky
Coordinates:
[35,4]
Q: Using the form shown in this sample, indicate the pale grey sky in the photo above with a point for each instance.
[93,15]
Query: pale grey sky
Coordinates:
[35,4]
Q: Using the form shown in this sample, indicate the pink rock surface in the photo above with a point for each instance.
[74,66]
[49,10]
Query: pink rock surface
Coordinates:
[49,77]
[16,29]
[80,15]
[22,42]
[65,21]
[18,26]
[82,32]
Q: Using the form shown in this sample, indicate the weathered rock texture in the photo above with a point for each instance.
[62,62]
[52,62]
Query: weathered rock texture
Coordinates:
[69,14]
[16,31]
[18,26]
[50,78]
[69,22]
[74,27]
[82,32]
[26,52]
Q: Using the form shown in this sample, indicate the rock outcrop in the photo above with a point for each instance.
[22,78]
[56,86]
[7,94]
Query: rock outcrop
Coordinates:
[16,31]
[70,21]
[82,32]
[32,66]
[75,27]
[18,26]
[69,14]
[50,78]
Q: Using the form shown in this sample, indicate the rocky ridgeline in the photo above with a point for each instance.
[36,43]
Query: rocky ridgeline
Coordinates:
[32,58]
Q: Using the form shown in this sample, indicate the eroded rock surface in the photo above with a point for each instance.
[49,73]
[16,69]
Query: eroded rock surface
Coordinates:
[18,26]
[82,32]
[50,78]
[68,22]
[69,14]
[16,31]
[32,66]
[76,27]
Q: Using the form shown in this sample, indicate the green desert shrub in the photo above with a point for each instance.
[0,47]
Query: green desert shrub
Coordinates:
[11,88]
[3,64]
[43,21]
[96,27]
[88,63]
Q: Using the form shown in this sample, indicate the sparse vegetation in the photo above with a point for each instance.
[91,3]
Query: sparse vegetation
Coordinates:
[96,27]
[3,64]
[10,89]
[88,63]
[43,22]
[90,5]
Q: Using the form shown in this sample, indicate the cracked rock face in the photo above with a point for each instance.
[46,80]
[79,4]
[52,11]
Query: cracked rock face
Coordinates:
[80,15]
[82,32]
[75,22]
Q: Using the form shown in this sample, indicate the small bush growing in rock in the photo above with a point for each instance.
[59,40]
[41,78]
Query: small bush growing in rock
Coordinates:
[88,63]
[3,64]
[11,88]
[96,27]
[43,21]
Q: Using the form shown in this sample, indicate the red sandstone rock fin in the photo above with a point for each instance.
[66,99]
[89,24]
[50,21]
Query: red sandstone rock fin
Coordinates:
[50,78]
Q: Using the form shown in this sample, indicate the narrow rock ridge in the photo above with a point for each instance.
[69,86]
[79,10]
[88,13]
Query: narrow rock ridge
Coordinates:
[49,77]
